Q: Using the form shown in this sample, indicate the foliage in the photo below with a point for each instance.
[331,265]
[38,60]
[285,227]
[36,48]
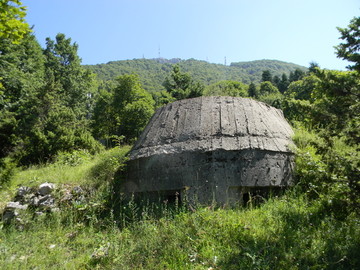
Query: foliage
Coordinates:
[296,75]
[266,76]
[284,233]
[8,168]
[123,110]
[253,91]
[267,87]
[226,88]
[21,74]
[75,84]
[349,50]
[272,99]
[337,102]
[180,85]
[328,168]
[12,21]
[162,98]
[60,107]
[153,72]
[303,88]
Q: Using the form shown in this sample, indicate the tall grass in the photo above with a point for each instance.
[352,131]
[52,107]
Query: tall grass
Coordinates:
[287,232]
[284,233]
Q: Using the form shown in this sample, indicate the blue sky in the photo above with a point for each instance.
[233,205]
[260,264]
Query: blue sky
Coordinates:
[108,30]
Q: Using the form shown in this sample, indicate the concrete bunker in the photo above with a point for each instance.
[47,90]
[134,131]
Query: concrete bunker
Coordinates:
[211,149]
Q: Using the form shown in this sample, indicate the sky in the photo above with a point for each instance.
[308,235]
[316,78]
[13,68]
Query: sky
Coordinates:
[218,31]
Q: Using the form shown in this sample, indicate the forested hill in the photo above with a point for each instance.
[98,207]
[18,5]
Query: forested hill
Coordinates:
[152,72]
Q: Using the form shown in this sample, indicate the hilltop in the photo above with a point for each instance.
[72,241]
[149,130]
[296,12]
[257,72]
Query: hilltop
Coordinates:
[152,72]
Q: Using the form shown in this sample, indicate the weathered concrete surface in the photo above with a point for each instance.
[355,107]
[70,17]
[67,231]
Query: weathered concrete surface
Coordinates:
[212,149]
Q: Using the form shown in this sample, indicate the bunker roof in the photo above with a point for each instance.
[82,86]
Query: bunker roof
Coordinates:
[211,123]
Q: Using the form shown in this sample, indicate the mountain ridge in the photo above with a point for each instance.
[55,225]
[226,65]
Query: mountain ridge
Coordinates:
[152,72]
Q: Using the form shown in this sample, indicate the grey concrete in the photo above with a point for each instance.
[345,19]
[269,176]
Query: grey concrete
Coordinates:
[211,149]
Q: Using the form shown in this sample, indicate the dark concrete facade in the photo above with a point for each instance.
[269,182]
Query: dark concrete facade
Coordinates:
[211,149]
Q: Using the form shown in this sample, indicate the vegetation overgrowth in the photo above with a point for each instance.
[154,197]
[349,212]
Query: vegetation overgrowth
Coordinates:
[292,231]
[60,123]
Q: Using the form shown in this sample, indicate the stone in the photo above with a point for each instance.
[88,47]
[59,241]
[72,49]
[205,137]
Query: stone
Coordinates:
[46,188]
[46,201]
[34,201]
[15,206]
[22,191]
[22,195]
[9,215]
[211,149]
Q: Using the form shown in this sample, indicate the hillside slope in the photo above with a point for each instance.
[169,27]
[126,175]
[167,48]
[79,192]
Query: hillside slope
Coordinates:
[153,72]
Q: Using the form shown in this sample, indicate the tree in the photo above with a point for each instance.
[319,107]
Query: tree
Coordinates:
[253,91]
[58,116]
[313,67]
[266,76]
[12,23]
[63,65]
[21,75]
[297,75]
[337,98]
[349,50]
[181,85]
[270,94]
[162,98]
[276,81]
[284,83]
[268,88]
[226,88]
[302,89]
[123,110]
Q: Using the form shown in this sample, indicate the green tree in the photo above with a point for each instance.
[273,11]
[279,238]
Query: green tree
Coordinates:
[60,110]
[12,21]
[313,67]
[349,50]
[302,89]
[226,88]
[268,88]
[296,75]
[63,65]
[266,76]
[162,98]
[253,90]
[284,83]
[181,85]
[336,99]
[270,94]
[21,74]
[276,81]
[123,110]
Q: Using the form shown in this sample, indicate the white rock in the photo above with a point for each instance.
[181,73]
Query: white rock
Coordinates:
[15,205]
[46,188]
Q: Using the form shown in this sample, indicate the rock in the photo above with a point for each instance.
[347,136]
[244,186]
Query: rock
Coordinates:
[22,195]
[15,205]
[34,201]
[8,216]
[22,191]
[46,201]
[46,188]
[78,190]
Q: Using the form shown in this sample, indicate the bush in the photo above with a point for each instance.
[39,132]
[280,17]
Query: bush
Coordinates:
[7,170]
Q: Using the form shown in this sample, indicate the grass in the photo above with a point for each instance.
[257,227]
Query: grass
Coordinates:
[287,232]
